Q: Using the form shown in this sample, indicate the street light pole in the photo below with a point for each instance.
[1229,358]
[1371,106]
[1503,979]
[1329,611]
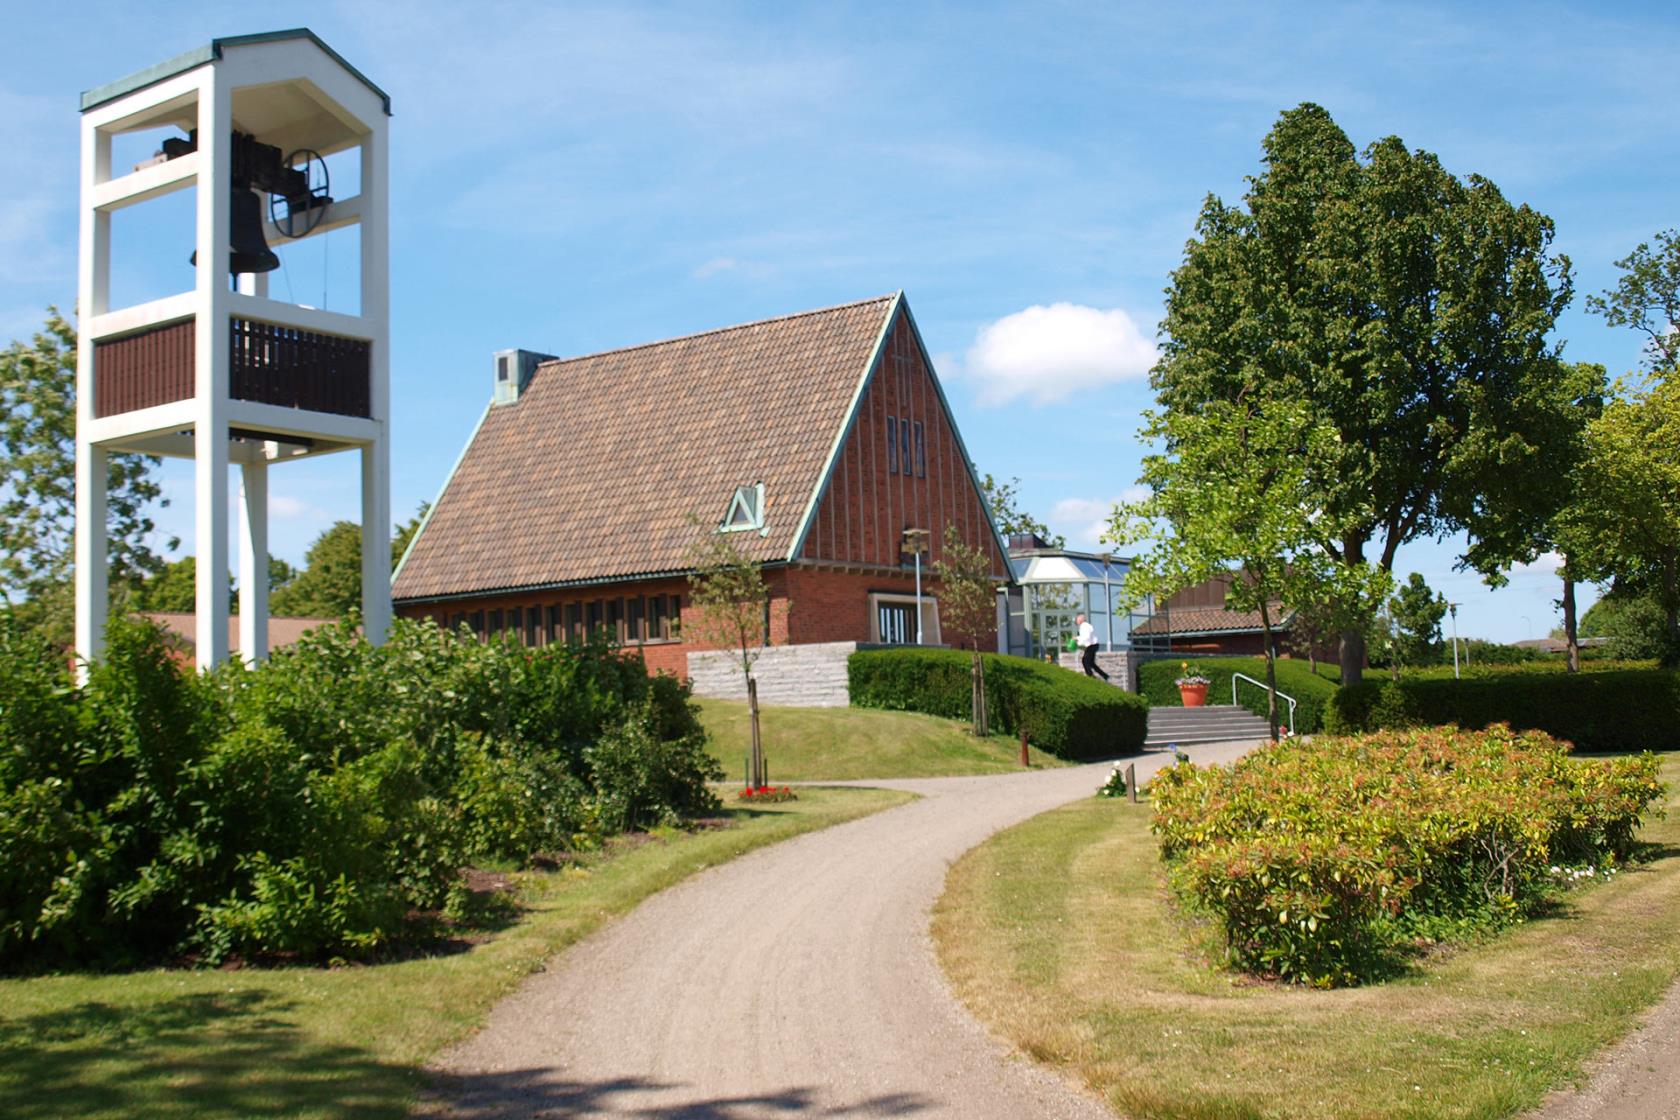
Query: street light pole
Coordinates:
[1108,605]
[1452,609]
[913,543]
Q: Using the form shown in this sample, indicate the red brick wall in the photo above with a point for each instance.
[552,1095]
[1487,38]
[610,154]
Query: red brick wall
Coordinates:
[668,656]
[834,606]
[862,514]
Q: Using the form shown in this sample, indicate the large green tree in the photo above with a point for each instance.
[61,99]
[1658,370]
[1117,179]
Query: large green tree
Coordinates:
[1647,298]
[1004,500]
[1407,309]
[1625,528]
[38,485]
[330,584]
[1417,611]
[1236,490]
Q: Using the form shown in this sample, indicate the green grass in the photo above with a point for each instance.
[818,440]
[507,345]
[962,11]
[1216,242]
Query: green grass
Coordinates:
[342,1042]
[1058,933]
[838,744]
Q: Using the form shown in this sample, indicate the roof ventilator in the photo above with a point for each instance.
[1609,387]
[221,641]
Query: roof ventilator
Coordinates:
[513,373]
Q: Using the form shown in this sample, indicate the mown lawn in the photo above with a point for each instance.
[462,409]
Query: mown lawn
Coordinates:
[1058,934]
[340,1042]
[837,744]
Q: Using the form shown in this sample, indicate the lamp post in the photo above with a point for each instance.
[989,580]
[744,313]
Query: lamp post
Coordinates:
[1452,609]
[914,541]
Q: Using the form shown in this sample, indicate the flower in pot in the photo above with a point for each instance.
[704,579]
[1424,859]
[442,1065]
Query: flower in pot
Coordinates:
[1192,687]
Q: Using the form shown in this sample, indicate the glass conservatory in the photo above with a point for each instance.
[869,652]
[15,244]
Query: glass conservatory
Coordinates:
[1055,584]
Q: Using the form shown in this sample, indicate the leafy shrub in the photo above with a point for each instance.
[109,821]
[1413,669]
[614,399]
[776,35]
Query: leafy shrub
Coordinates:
[1604,710]
[1312,691]
[309,806]
[1325,863]
[1066,714]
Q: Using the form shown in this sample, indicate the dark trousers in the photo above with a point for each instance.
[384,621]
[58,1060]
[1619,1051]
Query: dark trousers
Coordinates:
[1089,661]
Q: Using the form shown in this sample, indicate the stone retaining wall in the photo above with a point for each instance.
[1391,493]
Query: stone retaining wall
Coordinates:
[1119,664]
[801,676]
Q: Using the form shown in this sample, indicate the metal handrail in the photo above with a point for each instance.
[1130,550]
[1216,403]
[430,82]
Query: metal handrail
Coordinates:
[1235,677]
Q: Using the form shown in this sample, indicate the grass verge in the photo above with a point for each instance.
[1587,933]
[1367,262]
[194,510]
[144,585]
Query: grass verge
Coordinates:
[1057,933]
[839,744]
[344,1042]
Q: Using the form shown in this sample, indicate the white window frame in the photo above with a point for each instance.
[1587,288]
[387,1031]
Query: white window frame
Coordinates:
[930,615]
[750,499]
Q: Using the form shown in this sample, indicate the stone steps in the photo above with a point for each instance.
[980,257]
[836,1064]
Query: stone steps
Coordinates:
[1212,723]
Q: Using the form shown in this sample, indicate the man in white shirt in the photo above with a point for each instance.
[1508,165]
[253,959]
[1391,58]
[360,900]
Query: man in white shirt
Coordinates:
[1088,647]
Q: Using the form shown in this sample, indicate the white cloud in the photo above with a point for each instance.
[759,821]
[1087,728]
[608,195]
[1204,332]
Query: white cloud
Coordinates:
[1084,520]
[1049,353]
[283,505]
[1545,566]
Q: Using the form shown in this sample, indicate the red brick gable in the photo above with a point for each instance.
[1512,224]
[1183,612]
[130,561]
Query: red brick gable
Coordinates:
[871,498]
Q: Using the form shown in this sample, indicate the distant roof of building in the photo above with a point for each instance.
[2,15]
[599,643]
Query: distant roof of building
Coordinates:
[183,627]
[1213,620]
[1558,645]
[593,474]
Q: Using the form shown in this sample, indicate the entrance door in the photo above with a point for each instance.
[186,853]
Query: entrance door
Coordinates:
[896,622]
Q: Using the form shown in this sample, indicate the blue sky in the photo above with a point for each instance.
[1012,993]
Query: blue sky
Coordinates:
[575,177]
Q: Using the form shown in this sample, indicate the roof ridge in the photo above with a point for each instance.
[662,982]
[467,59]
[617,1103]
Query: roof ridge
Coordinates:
[720,330]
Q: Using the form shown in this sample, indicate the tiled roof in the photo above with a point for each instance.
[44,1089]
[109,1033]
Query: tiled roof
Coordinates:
[1211,620]
[593,473]
[282,632]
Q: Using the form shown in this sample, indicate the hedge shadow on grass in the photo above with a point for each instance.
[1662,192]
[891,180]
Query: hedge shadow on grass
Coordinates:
[245,1057]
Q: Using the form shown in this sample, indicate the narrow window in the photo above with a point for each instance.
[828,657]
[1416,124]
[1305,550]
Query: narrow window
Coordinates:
[892,445]
[495,625]
[658,624]
[676,616]
[476,622]
[921,453]
[615,620]
[455,621]
[634,616]
[904,445]
[594,618]
[533,622]
[574,622]
[553,629]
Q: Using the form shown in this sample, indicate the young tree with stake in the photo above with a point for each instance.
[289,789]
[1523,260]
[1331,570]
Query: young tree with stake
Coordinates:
[730,609]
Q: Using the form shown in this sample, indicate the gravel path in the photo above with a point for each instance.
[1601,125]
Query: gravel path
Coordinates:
[797,980]
[1637,1079]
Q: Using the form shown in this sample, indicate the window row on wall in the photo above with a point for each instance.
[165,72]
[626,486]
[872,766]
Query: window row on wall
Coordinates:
[627,621]
[906,449]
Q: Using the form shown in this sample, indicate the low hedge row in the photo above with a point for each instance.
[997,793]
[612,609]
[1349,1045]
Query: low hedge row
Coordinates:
[1330,862]
[1611,710]
[1064,713]
[1312,691]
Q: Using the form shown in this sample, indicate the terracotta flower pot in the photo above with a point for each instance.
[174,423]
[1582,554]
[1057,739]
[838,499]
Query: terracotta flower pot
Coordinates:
[1193,695]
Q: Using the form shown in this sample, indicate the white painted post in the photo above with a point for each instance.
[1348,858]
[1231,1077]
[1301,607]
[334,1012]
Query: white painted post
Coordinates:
[210,436]
[253,562]
[375,309]
[92,591]
[376,542]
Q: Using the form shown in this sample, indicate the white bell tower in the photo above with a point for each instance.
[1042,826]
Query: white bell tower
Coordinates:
[223,374]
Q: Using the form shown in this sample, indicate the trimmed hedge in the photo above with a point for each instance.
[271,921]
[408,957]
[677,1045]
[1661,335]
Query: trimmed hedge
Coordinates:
[1333,862]
[1064,713]
[1610,710]
[1312,692]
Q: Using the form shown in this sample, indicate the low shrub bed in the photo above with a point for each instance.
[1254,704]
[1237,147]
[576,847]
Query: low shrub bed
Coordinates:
[1312,691]
[314,806]
[1063,713]
[1605,710]
[1328,863]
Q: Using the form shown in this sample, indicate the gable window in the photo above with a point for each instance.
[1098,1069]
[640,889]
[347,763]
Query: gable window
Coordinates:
[892,445]
[904,445]
[921,453]
[746,510]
